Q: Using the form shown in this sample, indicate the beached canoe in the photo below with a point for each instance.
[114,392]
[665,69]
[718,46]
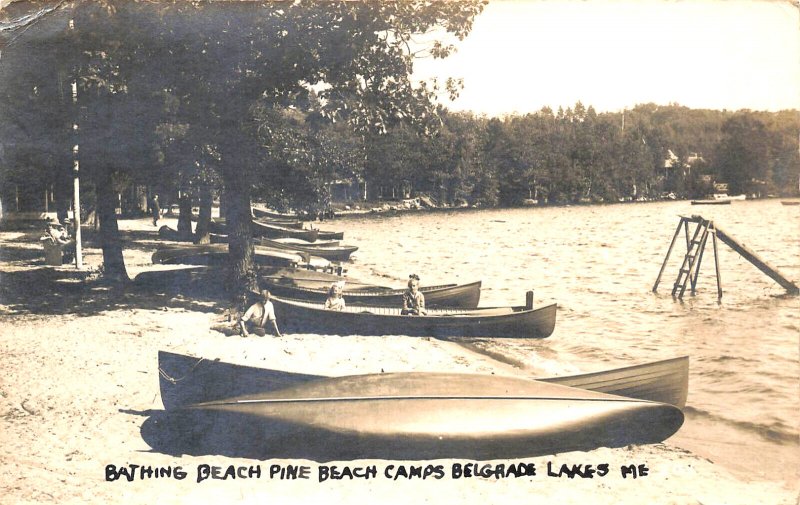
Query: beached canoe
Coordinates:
[271,214]
[312,279]
[790,202]
[223,239]
[464,296]
[332,253]
[262,229]
[215,254]
[185,380]
[167,233]
[665,381]
[495,322]
[492,415]
[329,235]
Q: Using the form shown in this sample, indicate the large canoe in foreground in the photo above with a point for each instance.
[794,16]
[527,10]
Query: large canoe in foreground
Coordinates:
[494,322]
[489,414]
[185,380]
[464,296]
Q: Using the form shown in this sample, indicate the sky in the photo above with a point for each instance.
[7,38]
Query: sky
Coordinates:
[712,54]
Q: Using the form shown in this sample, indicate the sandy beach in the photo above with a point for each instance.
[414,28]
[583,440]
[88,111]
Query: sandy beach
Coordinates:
[80,379]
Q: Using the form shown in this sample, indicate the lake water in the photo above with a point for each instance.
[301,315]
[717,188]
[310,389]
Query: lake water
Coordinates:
[599,263]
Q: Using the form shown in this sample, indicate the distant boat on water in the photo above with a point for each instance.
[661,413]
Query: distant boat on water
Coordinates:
[711,202]
[719,199]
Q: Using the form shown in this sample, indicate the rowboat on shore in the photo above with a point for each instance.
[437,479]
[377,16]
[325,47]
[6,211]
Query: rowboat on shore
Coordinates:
[465,296]
[185,380]
[324,250]
[496,322]
[217,254]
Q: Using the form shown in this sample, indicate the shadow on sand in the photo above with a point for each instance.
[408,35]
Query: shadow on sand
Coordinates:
[36,288]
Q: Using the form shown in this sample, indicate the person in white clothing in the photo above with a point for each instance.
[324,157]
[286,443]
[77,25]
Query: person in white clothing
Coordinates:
[335,300]
[257,316]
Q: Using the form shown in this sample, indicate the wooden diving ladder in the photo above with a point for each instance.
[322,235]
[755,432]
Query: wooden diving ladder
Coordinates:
[694,256]
[691,261]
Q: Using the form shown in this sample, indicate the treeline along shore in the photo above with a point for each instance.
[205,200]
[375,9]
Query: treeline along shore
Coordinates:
[308,104]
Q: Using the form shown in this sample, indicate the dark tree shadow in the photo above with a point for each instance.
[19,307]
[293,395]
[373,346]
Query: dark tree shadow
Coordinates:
[37,288]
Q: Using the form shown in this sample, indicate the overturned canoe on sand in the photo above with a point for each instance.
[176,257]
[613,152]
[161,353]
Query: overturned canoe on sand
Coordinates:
[185,380]
[464,296]
[492,415]
[493,322]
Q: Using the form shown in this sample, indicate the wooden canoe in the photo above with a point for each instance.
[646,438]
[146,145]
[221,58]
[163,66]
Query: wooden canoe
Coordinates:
[664,381]
[495,322]
[270,214]
[489,414]
[215,254]
[311,279]
[223,239]
[332,253]
[261,229]
[185,380]
[330,235]
[464,296]
[298,241]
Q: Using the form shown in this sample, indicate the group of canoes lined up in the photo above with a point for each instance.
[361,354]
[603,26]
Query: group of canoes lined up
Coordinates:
[301,282]
[387,415]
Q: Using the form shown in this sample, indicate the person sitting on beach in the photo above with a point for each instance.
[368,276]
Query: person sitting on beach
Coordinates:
[257,316]
[58,235]
[413,299]
[335,300]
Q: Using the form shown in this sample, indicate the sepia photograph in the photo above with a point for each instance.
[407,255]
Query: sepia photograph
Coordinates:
[408,251]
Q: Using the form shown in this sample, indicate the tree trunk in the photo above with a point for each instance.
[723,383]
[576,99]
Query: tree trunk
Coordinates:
[201,235]
[113,261]
[242,274]
[185,217]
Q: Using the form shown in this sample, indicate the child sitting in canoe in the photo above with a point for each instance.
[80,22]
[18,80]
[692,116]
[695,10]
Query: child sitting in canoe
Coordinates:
[335,300]
[413,299]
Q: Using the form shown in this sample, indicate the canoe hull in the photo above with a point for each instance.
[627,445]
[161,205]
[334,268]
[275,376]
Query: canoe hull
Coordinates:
[511,322]
[217,254]
[330,235]
[664,381]
[492,413]
[466,296]
[272,231]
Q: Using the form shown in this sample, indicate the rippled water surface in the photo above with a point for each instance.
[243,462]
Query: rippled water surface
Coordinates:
[599,264]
